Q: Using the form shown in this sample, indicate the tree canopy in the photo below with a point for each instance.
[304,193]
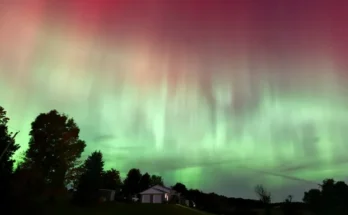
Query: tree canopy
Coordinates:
[331,197]
[54,147]
[145,182]
[181,188]
[131,182]
[91,179]
[111,179]
[156,180]
[7,146]
[7,149]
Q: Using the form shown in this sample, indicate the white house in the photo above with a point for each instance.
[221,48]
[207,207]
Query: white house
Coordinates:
[158,194]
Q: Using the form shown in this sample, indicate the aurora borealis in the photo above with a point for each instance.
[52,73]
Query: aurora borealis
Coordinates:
[218,94]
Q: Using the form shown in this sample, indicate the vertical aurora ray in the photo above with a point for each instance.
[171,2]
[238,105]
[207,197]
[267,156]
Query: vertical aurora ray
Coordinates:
[228,94]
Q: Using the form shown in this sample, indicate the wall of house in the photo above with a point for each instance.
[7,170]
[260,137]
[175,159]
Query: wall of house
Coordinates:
[157,198]
[156,194]
[146,198]
[152,198]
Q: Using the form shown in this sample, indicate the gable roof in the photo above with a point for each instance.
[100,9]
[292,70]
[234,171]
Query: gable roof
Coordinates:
[163,188]
[157,189]
[152,191]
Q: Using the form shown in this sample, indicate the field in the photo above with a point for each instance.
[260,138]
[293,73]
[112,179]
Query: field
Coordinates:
[124,209]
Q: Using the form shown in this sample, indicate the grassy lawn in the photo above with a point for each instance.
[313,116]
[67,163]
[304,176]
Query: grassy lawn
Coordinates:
[124,209]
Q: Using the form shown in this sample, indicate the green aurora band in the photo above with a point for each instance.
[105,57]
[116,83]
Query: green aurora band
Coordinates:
[292,134]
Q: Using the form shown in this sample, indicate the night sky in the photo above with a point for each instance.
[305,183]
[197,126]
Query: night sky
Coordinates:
[220,95]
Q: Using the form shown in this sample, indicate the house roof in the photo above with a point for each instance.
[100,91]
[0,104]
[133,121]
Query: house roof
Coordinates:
[165,187]
[152,191]
[158,188]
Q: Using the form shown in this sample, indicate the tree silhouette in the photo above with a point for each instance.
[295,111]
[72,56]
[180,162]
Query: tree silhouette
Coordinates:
[27,184]
[313,199]
[181,188]
[287,206]
[156,180]
[7,148]
[111,180]
[131,182]
[145,182]
[73,174]
[263,194]
[91,180]
[54,147]
[265,198]
[330,198]
[341,193]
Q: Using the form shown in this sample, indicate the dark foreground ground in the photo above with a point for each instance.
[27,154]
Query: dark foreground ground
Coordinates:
[123,209]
